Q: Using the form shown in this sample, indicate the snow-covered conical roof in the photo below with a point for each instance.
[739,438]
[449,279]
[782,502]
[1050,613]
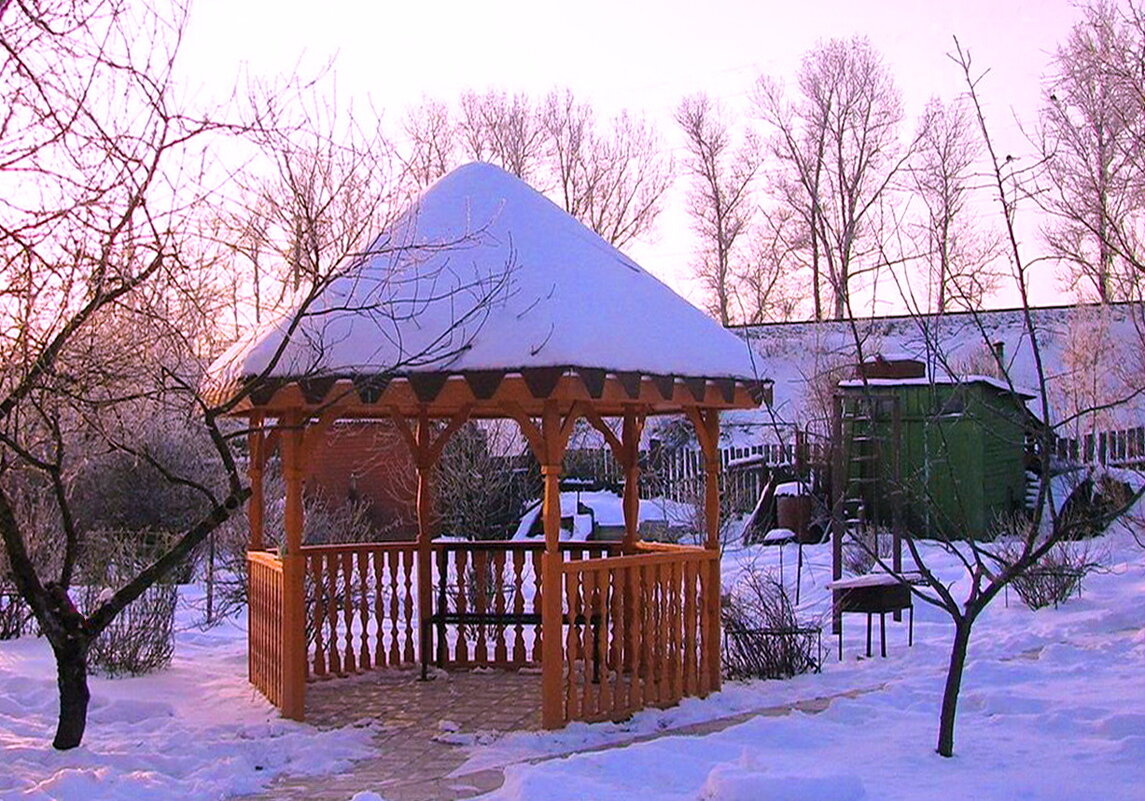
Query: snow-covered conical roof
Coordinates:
[485,273]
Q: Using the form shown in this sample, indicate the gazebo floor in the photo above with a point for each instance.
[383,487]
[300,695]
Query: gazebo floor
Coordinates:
[414,752]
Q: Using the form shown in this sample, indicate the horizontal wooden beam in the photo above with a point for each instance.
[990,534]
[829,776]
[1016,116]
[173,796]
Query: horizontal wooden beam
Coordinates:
[606,394]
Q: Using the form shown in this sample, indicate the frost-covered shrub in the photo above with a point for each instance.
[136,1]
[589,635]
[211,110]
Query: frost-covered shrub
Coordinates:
[481,488]
[763,637]
[1092,505]
[1055,577]
[124,491]
[141,639]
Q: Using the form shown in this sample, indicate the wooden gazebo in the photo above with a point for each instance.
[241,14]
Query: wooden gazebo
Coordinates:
[487,301]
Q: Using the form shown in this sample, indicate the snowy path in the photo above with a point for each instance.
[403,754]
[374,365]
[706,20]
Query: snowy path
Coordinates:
[418,764]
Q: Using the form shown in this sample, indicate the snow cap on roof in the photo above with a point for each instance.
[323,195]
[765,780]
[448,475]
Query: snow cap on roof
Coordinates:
[485,273]
[942,380]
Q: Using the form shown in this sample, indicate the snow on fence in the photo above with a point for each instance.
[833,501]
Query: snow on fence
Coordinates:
[1118,448]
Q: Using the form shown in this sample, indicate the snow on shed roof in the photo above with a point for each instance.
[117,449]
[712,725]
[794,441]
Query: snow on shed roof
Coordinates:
[485,273]
[990,381]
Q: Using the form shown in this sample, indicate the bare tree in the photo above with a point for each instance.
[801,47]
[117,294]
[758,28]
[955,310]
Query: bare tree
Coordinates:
[313,210]
[1092,137]
[839,147]
[798,190]
[569,127]
[768,288]
[100,187]
[503,130]
[480,486]
[956,255]
[719,200]
[610,177]
[431,143]
[1018,543]
[613,181]
[110,305]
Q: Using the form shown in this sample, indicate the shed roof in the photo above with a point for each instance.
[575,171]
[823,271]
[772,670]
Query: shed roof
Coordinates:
[482,275]
[996,384]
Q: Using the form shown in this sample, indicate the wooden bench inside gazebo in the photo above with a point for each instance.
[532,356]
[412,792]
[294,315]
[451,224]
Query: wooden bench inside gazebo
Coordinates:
[578,332]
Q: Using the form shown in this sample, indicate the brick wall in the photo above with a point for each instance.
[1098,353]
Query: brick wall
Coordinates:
[366,459]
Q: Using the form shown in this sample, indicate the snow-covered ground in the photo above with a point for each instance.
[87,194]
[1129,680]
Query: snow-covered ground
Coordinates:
[197,730]
[1053,706]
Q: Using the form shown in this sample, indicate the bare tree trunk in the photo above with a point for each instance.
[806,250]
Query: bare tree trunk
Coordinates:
[720,201]
[71,678]
[815,278]
[953,686]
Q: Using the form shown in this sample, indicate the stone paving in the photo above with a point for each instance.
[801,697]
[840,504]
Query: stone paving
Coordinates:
[417,720]
[425,724]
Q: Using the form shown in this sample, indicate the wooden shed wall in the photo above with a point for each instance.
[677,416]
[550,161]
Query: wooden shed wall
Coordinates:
[961,456]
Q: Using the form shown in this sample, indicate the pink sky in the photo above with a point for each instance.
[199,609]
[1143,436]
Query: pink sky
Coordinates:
[643,56]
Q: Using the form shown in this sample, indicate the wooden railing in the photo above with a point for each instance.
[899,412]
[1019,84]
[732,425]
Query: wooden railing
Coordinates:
[265,625]
[488,595]
[636,630]
[361,603]
[639,631]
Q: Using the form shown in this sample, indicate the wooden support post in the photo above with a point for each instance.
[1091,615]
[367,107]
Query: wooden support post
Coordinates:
[712,503]
[896,496]
[630,448]
[552,657]
[707,425]
[292,472]
[293,568]
[712,596]
[256,506]
[424,463]
[425,450]
[838,488]
[548,443]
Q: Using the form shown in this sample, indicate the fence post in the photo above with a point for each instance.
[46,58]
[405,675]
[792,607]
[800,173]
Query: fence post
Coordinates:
[293,637]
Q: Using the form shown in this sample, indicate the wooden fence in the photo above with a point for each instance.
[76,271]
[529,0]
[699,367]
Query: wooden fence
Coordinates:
[265,649]
[679,474]
[361,607]
[638,631]
[1117,448]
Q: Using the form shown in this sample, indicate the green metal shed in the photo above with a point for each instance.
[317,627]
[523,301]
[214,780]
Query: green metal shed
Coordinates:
[953,448]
